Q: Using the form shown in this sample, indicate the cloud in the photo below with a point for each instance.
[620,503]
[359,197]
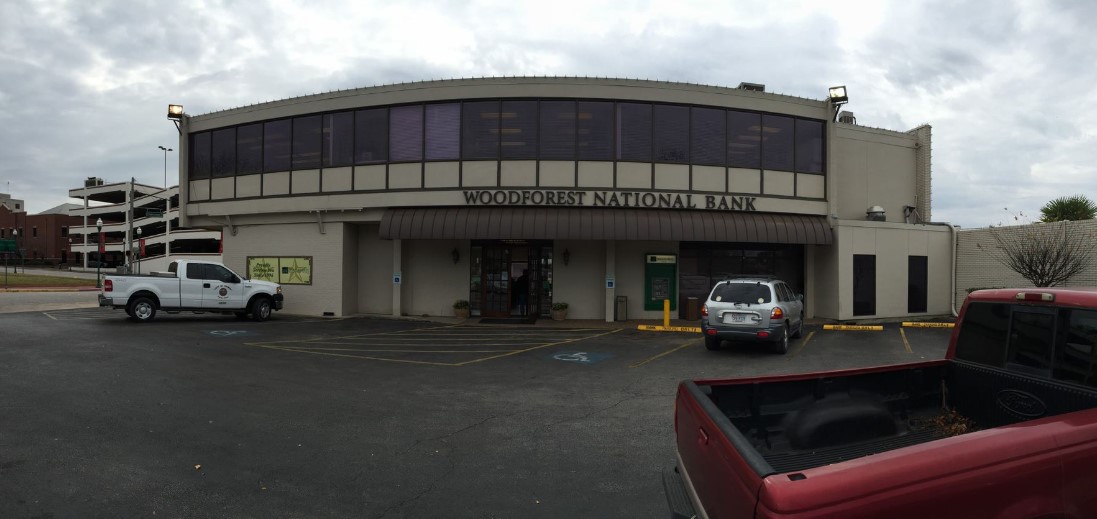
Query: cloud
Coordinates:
[1005,85]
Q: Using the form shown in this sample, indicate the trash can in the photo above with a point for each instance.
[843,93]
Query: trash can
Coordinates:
[620,309]
[693,309]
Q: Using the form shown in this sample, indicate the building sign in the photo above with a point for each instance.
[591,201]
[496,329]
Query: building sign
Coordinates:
[285,270]
[572,198]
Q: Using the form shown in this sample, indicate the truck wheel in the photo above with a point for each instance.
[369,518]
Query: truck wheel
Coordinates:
[141,309]
[260,309]
[781,346]
[712,343]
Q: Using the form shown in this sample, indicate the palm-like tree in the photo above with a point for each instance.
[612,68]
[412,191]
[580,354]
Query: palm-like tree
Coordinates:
[1065,208]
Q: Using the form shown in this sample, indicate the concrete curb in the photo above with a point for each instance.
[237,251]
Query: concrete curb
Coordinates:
[49,289]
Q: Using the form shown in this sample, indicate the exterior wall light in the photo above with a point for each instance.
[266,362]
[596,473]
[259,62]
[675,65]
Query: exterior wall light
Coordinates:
[175,112]
[567,256]
[838,98]
[456,256]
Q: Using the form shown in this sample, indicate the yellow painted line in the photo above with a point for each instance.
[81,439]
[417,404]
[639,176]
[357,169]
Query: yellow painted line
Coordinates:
[577,339]
[654,328]
[397,351]
[853,327]
[405,361]
[665,353]
[801,346]
[906,343]
[928,325]
[406,344]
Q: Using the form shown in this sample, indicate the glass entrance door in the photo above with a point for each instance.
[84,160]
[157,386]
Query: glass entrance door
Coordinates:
[511,278]
[495,281]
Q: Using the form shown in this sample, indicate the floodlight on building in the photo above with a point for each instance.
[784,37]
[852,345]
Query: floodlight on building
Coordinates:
[175,114]
[837,98]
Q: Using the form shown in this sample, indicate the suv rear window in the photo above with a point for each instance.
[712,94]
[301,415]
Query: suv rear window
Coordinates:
[752,293]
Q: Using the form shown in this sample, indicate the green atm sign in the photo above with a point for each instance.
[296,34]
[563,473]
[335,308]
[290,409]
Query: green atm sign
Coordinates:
[660,281]
[7,246]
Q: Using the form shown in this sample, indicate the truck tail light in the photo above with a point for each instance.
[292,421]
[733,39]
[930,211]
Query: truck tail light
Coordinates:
[704,310]
[1035,296]
[108,285]
[777,313]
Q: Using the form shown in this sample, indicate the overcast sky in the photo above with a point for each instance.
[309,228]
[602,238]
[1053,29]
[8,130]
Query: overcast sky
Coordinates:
[1006,85]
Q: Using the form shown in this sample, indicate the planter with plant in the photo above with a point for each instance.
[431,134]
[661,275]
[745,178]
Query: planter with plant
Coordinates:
[559,311]
[461,309]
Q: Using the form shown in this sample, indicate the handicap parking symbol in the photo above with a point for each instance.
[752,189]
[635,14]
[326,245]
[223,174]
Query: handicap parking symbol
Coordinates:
[227,333]
[581,357]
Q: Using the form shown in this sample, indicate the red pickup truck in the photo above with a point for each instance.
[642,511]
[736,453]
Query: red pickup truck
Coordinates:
[1004,427]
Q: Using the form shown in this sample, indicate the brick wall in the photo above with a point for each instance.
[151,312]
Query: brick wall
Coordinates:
[977,251]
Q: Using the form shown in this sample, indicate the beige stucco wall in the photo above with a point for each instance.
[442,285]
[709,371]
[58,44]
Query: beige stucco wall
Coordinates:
[892,244]
[977,265]
[871,167]
[326,292]
[580,283]
[374,268]
[432,282]
[824,293]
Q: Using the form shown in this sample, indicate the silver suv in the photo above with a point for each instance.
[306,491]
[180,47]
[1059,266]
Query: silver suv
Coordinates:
[755,309]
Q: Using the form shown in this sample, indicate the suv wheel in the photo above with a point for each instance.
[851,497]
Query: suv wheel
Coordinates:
[800,329]
[781,346]
[712,343]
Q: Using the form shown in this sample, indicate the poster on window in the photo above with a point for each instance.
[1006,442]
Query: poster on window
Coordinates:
[285,270]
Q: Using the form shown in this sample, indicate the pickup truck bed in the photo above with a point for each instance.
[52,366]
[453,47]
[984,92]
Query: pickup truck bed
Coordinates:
[798,424]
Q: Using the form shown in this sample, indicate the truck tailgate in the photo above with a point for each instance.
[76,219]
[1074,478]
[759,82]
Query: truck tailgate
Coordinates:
[726,480]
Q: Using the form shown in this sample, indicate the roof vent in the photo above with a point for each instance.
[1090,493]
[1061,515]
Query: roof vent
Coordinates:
[847,117]
[875,214]
[753,87]
[93,181]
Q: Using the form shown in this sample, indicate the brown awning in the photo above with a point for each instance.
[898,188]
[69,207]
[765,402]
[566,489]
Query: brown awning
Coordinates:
[578,223]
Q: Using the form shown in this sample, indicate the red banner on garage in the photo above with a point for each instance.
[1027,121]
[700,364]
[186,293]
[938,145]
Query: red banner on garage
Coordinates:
[102,246]
[142,246]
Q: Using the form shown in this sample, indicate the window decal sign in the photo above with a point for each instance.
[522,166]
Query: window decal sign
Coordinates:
[285,270]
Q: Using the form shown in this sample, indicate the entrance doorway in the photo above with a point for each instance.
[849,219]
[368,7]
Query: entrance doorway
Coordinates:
[510,278]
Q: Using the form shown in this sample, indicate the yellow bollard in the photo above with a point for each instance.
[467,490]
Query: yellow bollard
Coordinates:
[666,313]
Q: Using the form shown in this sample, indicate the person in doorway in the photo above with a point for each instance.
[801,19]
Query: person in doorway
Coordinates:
[521,289]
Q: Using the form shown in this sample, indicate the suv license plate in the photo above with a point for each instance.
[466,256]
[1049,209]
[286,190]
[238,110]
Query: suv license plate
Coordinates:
[736,318]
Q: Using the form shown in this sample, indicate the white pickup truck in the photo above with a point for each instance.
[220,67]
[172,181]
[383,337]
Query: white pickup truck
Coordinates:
[193,286]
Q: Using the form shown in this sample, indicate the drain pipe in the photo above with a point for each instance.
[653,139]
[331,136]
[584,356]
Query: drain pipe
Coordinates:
[952,278]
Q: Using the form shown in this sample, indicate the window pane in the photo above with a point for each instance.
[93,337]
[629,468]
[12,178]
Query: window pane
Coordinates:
[982,333]
[708,135]
[224,153]
[338,139]
[744,140]
[443,131]
[200,155]
[480,130]
[777,141]
[1076,357]
[558,130]
[634,132]
[671,125]
[371,136]
[518,132]
[595,138]
[1030,339]
[809,146]
[917,283]
[276,140]
[249,149]
[306,142]
[406,133]
[864,284]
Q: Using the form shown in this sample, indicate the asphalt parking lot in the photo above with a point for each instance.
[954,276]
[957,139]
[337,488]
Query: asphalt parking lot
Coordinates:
[207,416]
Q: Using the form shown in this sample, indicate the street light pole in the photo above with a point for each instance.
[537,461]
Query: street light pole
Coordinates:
[137,250]
[166,150]
[15,235]
[99,240]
